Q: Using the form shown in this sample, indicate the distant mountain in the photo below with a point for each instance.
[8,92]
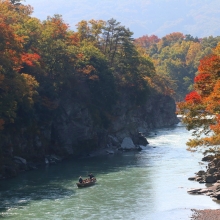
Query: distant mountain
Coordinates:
[160,17]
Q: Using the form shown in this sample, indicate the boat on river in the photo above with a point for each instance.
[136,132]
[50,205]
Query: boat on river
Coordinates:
[87,182]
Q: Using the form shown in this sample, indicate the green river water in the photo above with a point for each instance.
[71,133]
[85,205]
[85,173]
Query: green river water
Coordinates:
[151,184]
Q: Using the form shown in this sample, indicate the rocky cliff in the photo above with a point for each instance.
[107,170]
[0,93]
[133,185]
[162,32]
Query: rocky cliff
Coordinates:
[75,131]
[75,126]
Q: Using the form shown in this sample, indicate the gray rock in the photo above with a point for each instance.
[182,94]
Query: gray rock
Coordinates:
[194,191]
[208,158]
[127,144]
[217,176]
[216,161]
[216,195]
[202,181]
[199,179]
[211,170]
[200,173]
[110,152]
[20,160]
[142,140]
[192,178]
[206,190]
[114,141]
[210,179]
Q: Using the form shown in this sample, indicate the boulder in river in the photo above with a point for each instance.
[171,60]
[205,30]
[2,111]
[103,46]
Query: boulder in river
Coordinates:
[210,179]
[127,144]
[200,173]
[208,158]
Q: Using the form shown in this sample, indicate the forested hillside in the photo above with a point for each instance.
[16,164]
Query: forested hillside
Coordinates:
[67,88]
[43,62]
[176,58]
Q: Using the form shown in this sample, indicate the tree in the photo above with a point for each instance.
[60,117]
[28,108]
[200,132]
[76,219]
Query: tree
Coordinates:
[147,41]
[189,37]
[201,107]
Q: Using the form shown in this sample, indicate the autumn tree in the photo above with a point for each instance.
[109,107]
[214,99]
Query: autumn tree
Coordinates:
[201,107]
[11,60]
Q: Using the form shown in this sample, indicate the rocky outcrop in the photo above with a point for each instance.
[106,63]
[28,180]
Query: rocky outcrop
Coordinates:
[211,176]
[76,131]
[75,126]
[212,191]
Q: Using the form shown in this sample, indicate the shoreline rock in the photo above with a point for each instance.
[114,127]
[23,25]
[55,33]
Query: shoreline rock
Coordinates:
[210,176]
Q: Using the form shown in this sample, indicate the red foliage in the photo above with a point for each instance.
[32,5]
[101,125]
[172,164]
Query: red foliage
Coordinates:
[173,37]
[202,77]
[30,59]
[193,97]
[147,41]
[209,63]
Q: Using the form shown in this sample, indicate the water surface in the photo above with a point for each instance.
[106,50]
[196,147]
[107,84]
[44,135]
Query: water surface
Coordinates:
[151,184]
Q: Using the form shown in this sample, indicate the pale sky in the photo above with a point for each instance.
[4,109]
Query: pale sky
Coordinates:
[160,17]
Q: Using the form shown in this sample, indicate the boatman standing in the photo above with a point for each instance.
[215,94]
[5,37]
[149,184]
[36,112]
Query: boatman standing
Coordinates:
[80,179]
[91,176]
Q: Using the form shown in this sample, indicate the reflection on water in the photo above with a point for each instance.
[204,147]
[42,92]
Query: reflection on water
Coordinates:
[150,184]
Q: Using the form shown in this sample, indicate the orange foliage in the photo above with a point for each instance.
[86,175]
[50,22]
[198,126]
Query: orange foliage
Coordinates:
[146,41]
[30,59]
[174,37]
[213,100]
[209,64]
[216,127]
[58,27]
[74,39]
[88,69]
[202,107]
[80,56]
[204,83]
[10,46]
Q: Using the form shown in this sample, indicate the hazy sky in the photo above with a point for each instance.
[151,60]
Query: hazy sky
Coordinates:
[196,17]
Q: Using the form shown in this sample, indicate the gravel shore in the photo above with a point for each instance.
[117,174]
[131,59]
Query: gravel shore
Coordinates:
[206,214]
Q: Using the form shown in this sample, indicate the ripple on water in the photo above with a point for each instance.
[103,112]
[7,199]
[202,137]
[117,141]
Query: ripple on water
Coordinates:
[151,184]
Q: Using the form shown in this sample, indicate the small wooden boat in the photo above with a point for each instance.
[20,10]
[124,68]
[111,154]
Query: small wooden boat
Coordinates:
[87,182]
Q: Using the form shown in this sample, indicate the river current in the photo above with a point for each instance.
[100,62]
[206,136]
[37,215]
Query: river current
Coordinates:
[151,184]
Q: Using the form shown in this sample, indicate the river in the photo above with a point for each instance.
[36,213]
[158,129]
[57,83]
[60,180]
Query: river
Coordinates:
[151,184]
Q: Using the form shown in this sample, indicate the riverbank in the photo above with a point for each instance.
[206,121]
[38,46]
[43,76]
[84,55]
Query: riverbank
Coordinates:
[206,214]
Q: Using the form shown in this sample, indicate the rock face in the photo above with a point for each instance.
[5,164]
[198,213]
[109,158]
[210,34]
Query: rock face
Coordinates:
[75,125]
[75,131]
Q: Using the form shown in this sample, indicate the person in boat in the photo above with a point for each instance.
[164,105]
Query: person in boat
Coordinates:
[91,176]
[80,179]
